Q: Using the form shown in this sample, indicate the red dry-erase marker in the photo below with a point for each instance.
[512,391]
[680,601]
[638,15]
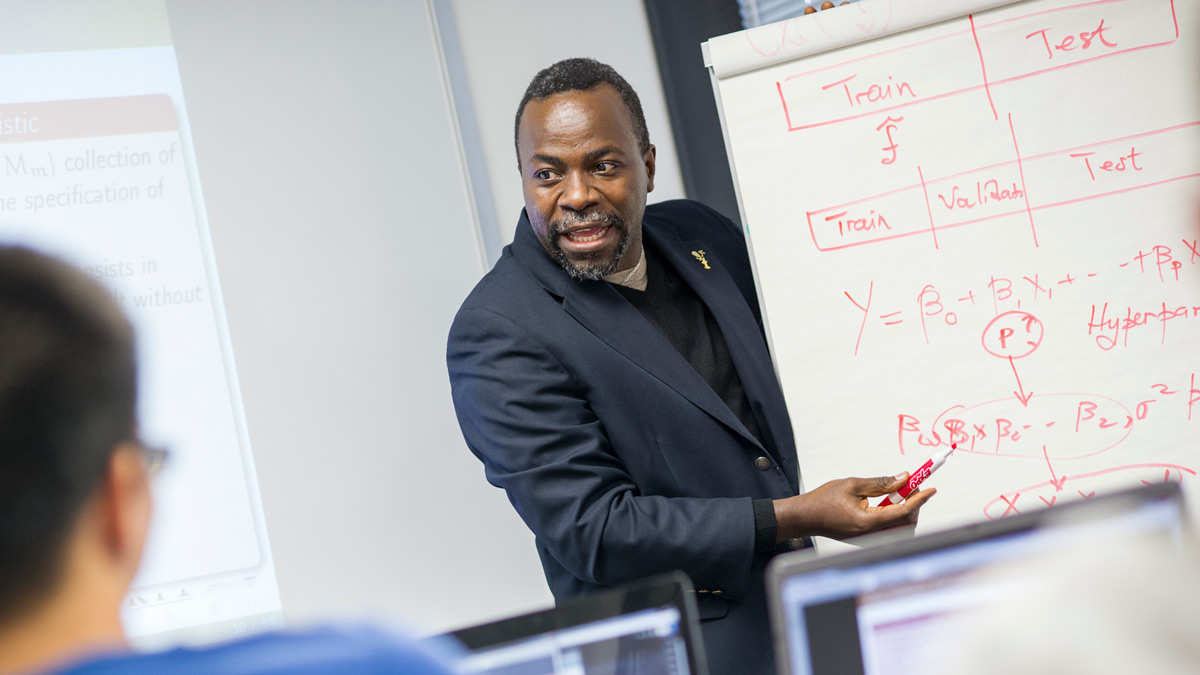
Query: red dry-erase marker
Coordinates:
[919,476]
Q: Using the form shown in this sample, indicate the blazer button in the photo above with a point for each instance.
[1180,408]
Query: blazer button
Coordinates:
[762,464]
[796,543]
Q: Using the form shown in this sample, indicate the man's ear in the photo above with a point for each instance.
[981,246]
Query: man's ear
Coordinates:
[125,506]
[649,158]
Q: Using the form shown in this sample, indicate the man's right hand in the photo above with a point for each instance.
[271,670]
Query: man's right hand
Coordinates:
[839,508]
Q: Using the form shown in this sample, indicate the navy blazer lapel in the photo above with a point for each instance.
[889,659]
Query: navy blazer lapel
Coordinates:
[604,312]
[703,270]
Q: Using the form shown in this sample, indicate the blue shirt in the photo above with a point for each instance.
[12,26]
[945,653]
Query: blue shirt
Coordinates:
[320,650]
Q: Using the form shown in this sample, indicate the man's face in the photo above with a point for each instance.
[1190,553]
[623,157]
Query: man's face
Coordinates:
[585,182]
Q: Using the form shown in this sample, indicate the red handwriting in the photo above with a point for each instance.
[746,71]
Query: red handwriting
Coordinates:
[910,424]
[1109,326]
[1166,478]
[1040,426]
[985,192]
[873,93]
[1111,331]
[1162,260]
[1054,479]
[1020,393]
[888,126]
[1071,425]
[1148,474]
[1038,288]
[999,193]
[767,44]
[865,310]
[1192,394]
[1109,165]
[1012,335]
[1193,397]
[873,221]
[1056,43]
[1069,42]
[1012,503]
[1193,248]
[930,302]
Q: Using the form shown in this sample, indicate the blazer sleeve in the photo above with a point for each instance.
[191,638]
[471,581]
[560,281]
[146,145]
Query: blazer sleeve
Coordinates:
[527,418]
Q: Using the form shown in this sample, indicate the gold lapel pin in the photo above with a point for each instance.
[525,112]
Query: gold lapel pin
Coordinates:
[699,255]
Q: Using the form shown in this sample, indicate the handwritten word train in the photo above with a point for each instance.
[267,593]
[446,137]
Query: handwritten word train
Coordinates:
[873,93]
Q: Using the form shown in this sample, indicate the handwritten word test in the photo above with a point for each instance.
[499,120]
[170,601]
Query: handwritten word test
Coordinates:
[983,230]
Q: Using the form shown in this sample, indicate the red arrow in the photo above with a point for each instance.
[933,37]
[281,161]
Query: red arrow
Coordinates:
[1054,480]
[1021,395]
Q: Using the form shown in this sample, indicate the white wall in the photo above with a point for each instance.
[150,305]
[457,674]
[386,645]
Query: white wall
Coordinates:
[504,44]
[344,236]
[345,242]
[343,224]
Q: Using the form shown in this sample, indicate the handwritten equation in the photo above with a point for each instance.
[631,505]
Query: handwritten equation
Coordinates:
[1053,426]
[980,229]
[1109,325]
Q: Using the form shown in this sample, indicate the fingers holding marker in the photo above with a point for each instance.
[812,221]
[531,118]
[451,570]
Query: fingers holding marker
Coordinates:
[824,5]
[925,471]
[911,508]
[881,485]
[842,508]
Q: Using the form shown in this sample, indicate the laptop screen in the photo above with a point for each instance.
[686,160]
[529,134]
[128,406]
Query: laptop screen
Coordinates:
[646,628]
[875,609]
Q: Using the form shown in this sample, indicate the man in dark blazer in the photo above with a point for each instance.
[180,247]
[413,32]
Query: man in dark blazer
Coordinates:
[612,374]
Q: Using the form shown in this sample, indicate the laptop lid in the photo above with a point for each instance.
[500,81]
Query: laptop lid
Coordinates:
[869,610]
[649,627]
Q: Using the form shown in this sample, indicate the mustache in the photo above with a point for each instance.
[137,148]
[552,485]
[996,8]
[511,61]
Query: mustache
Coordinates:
[595,216]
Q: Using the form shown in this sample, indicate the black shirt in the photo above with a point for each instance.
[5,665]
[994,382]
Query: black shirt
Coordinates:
[683,318]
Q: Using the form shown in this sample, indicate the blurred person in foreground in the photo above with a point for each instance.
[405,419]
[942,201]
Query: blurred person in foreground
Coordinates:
[75,499]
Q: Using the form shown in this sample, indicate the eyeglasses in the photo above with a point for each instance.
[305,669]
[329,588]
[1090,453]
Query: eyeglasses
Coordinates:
[153,457]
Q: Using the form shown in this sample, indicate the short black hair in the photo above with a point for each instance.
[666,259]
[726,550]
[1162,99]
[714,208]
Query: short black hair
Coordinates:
[68,391]
[581,74]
